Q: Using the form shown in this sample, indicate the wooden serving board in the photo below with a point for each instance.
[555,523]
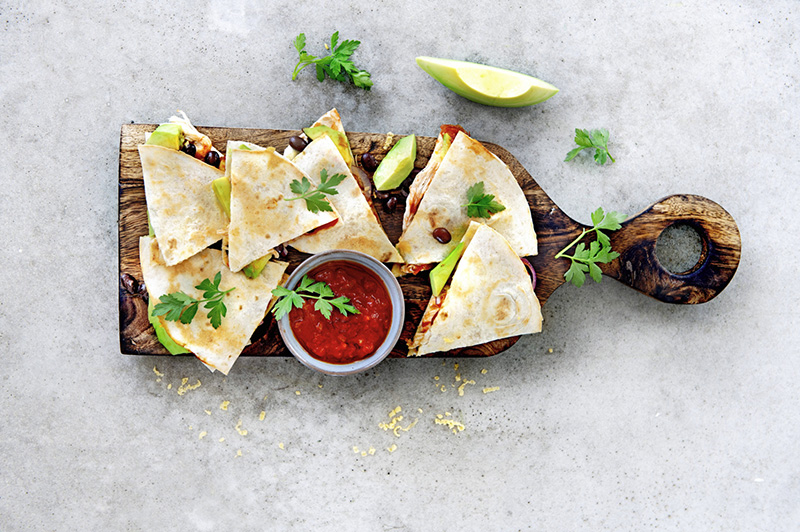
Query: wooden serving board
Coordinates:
[636,267]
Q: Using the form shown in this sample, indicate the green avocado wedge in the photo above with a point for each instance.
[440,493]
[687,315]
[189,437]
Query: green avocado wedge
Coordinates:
[338,138]
[441,273]
[254,269]
[167,135]
[161,333]
[397,164]
[222,190]
[485,84]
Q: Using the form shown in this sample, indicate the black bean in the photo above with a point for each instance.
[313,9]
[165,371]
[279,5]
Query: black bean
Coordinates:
[282,251]
[368,162]
[442,235]
[130,283]
[298,143]
[189,148]
[382,195]
[212,158]
[391,204]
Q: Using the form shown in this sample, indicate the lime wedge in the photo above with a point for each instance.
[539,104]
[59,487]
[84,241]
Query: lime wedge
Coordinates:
[486,84]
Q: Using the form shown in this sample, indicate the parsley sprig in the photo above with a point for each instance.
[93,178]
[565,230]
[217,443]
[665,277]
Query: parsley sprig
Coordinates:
[311,289]
[599,251]
[315,198]
[597,139]
[480,205]
[180,306]
[337,65]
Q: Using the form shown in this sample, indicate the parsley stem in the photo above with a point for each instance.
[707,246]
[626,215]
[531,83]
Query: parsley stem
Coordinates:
[583,234]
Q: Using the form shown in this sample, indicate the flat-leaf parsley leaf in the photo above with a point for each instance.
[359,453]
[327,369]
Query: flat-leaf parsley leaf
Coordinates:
[179,306]
[310,289]
[315,198]
[337,65]
[585,260]
[480,205]
[596,139]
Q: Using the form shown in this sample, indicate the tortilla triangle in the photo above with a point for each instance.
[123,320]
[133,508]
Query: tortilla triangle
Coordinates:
[490,297]
[260,218]
[183,211]
[466,163]
[246,304]
[358,227]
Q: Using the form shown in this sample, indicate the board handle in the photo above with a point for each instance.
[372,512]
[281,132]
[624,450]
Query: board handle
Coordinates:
[638,265]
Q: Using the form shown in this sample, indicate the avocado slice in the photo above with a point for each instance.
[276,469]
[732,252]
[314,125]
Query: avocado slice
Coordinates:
[397,164]
[441,273]
[163,336]
[255,268]
[167,135]
[222,190]
[338,138]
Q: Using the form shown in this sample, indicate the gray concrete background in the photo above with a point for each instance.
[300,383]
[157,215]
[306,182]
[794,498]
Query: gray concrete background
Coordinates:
[624,414]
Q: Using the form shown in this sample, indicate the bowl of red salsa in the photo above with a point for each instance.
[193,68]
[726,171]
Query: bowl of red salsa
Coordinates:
[345,343]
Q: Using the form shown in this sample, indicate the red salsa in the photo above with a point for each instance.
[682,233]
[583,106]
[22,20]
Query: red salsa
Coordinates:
[344,339]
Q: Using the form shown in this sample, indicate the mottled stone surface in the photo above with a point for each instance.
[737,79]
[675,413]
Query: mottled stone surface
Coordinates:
[623,414]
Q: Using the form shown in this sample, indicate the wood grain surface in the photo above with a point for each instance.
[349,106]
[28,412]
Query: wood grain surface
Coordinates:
[637,266]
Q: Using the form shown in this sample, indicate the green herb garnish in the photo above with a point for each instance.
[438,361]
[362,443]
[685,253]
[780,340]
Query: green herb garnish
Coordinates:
[178,306]
[480,205]
[311,289]
[315,199]
[585,259]
[597,139]
[337,65]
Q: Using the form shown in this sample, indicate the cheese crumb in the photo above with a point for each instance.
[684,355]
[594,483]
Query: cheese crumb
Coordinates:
[406,429]
[363,453]
[238,453]
[395,411]
[392,448]
[355,449]
[221,440]
[319,385]
[265,398]
[207,412]
[372,450]
[297,392]
[419,410]
[169,386]
[388,142]
[452,424]
[491,389]
[443,388]
[158,373]
[484,371]
[202,435]
[455,366]
[458,377]
[184,387]
[463,384]
[281,445]
[436,378]
[550,350]
[262,415]
[240,430]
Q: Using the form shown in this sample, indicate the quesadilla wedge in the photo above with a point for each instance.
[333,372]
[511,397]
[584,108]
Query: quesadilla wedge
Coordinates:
[246,305]
[358,227]
[490,297]
[439,201]
[182,208]
[262,215]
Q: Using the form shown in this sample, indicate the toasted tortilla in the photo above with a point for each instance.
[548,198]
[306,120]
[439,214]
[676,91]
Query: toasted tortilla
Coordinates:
[247,304]
[330,119]
[183,211]
[260,218]
[466,163]
[358,228]
[490,297]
